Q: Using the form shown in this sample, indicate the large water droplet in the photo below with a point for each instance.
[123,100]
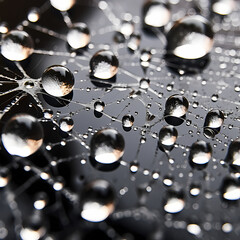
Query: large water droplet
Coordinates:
[223,7]
[107,146]
[62,5]
[78,36]
[233,155]
[17,45]
[66,124]
[57,81]
[176,108]
[230,189]
[97,201]
[213,123]
[156,13]
[103,65]
[200,154]
[190,38]
[175,202]
[22,135]
[167,138]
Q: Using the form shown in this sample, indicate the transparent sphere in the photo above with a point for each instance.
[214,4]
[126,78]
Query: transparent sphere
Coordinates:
[127,121]
[230,189]
[62,5]
[22,135]
[174,202]
[224,7]
[78,36]
[107,146]
[200,154]
[17,45]
[99,106]
[104,65]
[190,38]
[33,15]
[57,81]
[233,154]
[97,201]
[156,14]
[66,124]
[167,137]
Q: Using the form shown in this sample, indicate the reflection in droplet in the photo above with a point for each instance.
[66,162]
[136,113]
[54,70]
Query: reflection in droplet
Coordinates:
[103,65]
[62,5]
[97,201]
[167,138]
[57,81]
[233,154]
[33,15]
[127,121]
[17,45]
[156,13]
[174,203]
[78,36]
[213,123]
[230,189]
[223,7]
[176,108]
[134,42]
[22,135]
[107,146]
[200,154]
[99,106]
[190,38]
[66,124]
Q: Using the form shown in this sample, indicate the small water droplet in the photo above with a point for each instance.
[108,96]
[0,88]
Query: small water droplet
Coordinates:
[223,7]
[57,81]
[48,113]
[126,28]
[17,45]
[214,97]
[213,123]
[107,146]
[41,200]
[233,155]
[134,166]
[227,227]
[4,177]
[195,190]
[127,121]
[66,124]
[99,106]
[78,36]
[175,202]
[33,15]
[200,154]
[144,83]
[97,201]
[3,27]
[230,189]
[103,65]
[62,5]
[22,135]
[176,108]
[194,229]
[134,42]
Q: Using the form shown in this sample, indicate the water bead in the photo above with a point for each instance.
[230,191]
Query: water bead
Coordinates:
[230,189]
[97,201]
[107,146]
[223,7]
[134,42]
[3,27]
[174,202]
[33,15]
[57,81]
[126,28]
[200,154]
[233,154]
[99,106]
[156,13]
[62,5]
[78,36]
[22,135]
[104,65]
[17,45]
[127,121]
[190,38]
[66,124]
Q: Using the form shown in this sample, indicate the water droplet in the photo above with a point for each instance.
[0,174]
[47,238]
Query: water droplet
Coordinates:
[223,7]
[200,154]
[99,106]
[167,138]
[22,135]
[3,27]
[156,14]
[227,227]
[176,108]
[144,83]
[103,65]
[97,201]
[190,38]
[4,177]
[134,42]
[62,5]
[233,155]
[66,124]
[17,45]
[134,166]
[78,36]
[195,190]
[194,229]
[48,113]
[168,181]
[213,123]
[155,175]
[214,97]
[33,15]
[126,28]
[127,121]
[175,202]
[145,58]
[40,201]
[107,146]
[230,189]
[57,81]
[237,88]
